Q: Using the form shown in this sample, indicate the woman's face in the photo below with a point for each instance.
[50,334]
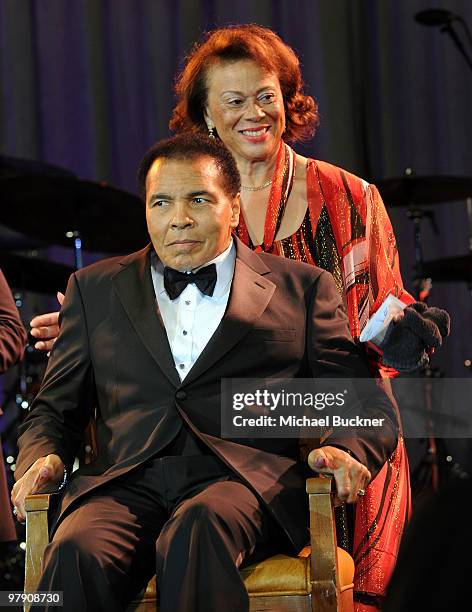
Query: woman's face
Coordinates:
[246,106]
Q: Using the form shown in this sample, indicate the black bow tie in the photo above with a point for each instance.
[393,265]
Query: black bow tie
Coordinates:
[175,281]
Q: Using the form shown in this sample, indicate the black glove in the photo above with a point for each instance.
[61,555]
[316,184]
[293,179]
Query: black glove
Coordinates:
[421,329]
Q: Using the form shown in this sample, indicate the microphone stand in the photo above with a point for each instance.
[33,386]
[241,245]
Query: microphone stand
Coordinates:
[444,19]
[448,29]
[428,470]
[423,287]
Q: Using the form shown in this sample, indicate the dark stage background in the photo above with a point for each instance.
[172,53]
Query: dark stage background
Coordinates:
[86,85]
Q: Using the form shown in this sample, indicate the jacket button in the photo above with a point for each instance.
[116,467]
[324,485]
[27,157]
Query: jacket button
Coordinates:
[180,395]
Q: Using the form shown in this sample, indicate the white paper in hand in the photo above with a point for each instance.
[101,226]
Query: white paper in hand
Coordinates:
[377,325]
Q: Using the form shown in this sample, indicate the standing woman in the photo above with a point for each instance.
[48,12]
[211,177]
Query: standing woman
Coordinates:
[243,84]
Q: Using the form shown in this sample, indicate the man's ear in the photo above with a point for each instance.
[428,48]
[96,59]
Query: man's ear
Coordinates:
[235,210]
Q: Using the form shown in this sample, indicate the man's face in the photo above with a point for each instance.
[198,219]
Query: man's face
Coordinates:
[188,213]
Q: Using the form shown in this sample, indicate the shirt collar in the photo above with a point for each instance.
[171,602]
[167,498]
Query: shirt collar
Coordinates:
[224,262]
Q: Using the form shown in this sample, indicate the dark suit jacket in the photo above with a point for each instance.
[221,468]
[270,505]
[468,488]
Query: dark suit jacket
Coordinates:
[13,336]
[284,319]
[12,345]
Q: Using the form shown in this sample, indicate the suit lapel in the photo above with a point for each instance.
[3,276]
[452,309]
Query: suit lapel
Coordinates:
[133,285]
[250,295]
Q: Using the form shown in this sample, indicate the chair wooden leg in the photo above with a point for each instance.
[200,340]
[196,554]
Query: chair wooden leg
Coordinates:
[37,538]
[324,571]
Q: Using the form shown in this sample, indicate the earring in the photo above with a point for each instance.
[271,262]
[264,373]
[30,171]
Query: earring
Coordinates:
[211,130]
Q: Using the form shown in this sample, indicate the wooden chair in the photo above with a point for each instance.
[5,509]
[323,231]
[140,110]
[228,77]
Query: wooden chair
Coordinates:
[320,579]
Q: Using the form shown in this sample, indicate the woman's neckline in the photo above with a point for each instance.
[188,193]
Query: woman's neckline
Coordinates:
[301,162]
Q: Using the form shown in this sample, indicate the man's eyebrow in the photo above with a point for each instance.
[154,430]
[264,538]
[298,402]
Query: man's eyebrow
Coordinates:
[201,192]
[190,194]
[163,196]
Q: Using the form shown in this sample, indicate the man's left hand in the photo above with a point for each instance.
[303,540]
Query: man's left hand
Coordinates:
[350,475]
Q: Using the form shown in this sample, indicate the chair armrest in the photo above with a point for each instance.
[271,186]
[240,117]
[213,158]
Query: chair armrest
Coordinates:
[37,537]
[324,571]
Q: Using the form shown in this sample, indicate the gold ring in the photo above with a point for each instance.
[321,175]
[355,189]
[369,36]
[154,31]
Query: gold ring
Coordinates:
[361,492]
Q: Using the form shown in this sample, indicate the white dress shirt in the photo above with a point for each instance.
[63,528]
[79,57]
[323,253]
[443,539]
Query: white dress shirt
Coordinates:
[191,319]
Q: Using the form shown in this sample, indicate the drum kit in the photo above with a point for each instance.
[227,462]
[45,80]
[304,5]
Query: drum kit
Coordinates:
[43,206]
[415,193]
[51,206]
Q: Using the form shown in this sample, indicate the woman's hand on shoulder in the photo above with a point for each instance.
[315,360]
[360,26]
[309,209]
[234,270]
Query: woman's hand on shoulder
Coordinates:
[45,328]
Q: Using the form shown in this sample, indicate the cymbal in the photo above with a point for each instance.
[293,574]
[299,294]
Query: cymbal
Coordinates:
[449,269]
[34,274]
[46,207]
[13,166]
[407,190]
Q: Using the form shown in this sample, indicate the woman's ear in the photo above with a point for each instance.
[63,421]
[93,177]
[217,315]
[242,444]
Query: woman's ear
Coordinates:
[208,120]
[209,123]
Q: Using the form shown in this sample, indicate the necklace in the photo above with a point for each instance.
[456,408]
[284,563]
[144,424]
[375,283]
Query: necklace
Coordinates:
[282,183]
[263,186]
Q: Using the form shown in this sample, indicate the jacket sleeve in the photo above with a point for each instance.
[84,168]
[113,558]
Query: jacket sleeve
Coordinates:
[12,332]
[62,408]
[333,354]
[384,269]
[384,264]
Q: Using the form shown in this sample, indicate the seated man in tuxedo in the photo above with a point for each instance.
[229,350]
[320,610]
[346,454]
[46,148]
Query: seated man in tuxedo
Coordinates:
[147,339]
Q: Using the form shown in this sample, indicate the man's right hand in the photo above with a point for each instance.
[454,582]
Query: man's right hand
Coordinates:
[46,328]
[350,475]
[46,473]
